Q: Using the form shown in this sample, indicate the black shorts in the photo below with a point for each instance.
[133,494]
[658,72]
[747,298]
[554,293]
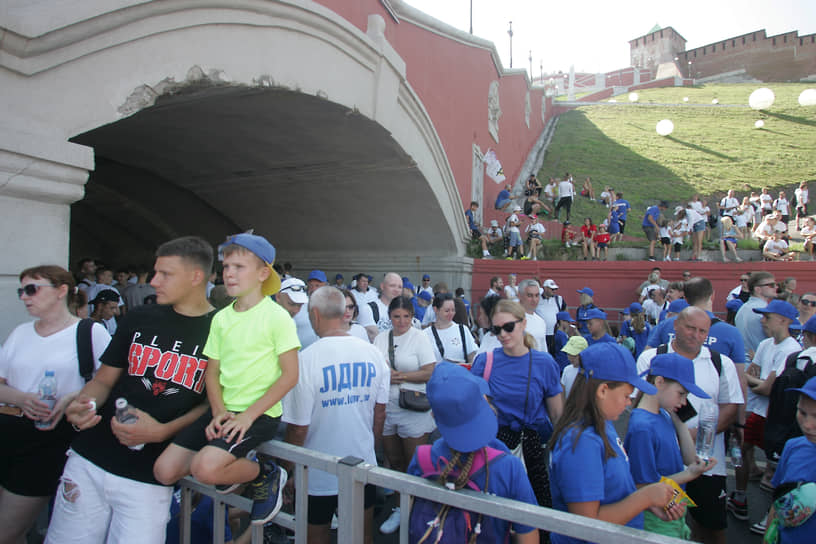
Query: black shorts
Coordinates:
[323,507]
[528,207]
[622,223]
[194,438]
[32,460]
[708,492]
[602,245]
[665,241]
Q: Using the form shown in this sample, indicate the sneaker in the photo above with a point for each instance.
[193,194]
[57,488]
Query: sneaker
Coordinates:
[390,525]
[267,493]
[651,258]
[739,509]
[759,527]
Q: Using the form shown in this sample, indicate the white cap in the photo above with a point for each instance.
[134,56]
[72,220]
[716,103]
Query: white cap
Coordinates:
[494,223]
[550,283]
[517,209]
[295,289]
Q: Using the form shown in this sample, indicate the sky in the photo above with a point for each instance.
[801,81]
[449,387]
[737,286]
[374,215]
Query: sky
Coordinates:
[594,36]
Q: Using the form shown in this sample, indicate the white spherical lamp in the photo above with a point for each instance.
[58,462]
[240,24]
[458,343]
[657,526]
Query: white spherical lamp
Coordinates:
[664,127]
[761,99]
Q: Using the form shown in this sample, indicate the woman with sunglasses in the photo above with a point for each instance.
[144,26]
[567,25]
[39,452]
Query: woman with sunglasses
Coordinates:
[451,341]
[35,435]
[410,355]
[350,316]
[526,389]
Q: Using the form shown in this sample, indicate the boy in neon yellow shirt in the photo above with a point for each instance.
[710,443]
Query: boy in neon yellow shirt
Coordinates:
[252,349]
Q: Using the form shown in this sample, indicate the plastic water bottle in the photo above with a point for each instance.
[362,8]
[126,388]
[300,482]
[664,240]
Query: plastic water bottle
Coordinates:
[707,416]
[124,415]
[735,451]
[48,394]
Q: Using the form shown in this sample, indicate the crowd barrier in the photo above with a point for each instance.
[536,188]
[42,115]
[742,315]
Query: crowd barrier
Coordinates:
[353,474]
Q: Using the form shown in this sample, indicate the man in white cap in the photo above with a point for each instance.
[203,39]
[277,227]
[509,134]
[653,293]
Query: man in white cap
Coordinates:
[292,296]
[549,304]
[494,234]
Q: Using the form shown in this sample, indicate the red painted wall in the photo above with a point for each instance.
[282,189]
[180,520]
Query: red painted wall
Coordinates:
[452,79]
[614,283]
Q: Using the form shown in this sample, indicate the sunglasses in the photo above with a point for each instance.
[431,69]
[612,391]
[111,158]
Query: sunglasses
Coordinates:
[808,302]
[507,327]
[30,289]
[772,284]
[350,307]
[295,289]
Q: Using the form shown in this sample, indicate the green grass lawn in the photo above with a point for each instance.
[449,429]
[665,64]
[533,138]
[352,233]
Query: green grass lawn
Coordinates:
[711,150]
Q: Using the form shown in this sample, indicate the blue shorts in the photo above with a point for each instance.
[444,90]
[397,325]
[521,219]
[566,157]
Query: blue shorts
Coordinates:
[732,240]
[502,203]
[515,239]
[699,226]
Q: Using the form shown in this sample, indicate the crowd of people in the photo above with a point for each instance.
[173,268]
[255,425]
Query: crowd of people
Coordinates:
[758,216]
[212,368]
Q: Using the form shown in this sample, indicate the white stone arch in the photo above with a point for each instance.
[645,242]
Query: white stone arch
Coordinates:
[66,71]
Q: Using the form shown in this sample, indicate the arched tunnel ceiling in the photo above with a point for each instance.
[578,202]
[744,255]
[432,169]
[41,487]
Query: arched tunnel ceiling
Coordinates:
[309,174]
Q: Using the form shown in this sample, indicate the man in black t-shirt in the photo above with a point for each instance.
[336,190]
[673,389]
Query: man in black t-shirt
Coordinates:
[108,491]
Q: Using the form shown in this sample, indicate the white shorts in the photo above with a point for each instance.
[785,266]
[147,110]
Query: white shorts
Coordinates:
[407,423]
[93,506]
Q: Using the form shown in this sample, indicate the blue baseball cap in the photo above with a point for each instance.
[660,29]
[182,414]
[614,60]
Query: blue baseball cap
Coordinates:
[677,306]
[406,284]
[781,307]
[425,277]
[612,362]
[733,305]
[586,291]
[795,325]
[678,368]
[564,316]
[463,416]
[595,313]
[810,325]
[625,311]
[318,275]
[425,295]
[635,308]
[265,251]
[809,389]
[338,276]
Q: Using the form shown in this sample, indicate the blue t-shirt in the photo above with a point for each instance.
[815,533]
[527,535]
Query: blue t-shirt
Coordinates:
[508,479]
[580,474]
[471,221]
[654,212]
[796,465]
[639,338]
[605,338]
[503,196]
[561,358]
[614,226]
[723,338]
[651,442]
[419,311]
[508,387]
[621,207]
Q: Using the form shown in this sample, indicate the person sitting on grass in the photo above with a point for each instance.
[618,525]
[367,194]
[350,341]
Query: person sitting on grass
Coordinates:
[808,233]
[253,362]
[494,234]
[534,231]
[601,241]
[587,190]
[728,239]
[606,196]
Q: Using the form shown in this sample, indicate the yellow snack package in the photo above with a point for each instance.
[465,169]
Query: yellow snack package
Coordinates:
[679,494]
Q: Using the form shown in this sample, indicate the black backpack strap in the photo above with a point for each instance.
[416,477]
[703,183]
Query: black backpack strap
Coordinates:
[375,310]
[85,349]
[464,346]
[662,348]
[438,341]
[716,359]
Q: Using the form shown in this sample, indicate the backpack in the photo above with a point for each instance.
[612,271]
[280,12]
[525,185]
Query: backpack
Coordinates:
[435,523]
[780,425]
[84,343]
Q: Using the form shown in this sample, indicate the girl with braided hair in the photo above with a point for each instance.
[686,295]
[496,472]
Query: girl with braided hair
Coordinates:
[467,455]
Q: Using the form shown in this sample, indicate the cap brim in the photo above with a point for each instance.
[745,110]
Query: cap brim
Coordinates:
[694,390]
[476,434]
[570,351]
[272,284]
[642,385]
[297,297]
[810,394]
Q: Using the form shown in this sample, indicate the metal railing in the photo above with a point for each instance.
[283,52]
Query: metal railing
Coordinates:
[352,476]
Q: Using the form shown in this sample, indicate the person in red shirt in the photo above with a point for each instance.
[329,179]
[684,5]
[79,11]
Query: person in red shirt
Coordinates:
[588,231]
[602,242]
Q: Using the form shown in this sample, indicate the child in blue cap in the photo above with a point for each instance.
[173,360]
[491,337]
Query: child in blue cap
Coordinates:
[658,442]
[589,469]
[791,517]
[468,426]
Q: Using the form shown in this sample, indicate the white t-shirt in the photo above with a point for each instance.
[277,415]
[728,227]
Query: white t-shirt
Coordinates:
[305,332]
[384,322]
[451,339]
[693,216]
[535,227]
[489,343]
[512,223]
[538,328]
[565,189]
[412,351]
[568,378]
[365,317]
[771,358]
[697,206]
[429,317]
[723,388]
[652,309]
[511,292]
[729,205]
[359,331]
[550,190]
[341,379]
[679,231]
[26,356]
[777,247]
[782,205]
[807,232]
[765,201]
[663,232]
[802,196]
[547,310]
